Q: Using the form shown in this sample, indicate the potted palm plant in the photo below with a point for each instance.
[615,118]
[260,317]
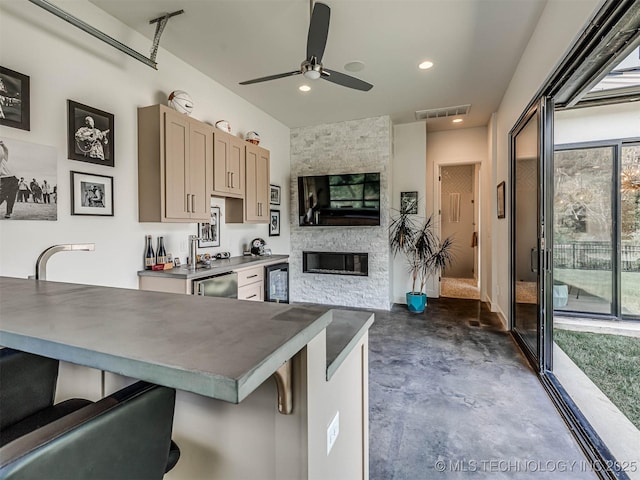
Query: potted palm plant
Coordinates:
[426,254]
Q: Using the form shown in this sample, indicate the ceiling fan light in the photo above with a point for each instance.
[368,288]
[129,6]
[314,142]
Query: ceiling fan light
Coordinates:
[311,74]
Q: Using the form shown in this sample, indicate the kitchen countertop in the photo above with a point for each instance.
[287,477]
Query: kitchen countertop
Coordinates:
[217,347]
[343,333]
[218,267]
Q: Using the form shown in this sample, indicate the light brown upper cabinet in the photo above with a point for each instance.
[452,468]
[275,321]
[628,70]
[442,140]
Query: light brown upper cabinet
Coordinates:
[228,165]
[175,166]
[256,203]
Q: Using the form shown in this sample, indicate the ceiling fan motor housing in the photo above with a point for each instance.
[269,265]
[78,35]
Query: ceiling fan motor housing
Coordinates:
[311,69]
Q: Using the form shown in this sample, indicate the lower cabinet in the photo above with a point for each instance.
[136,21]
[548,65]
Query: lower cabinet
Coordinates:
[251,284]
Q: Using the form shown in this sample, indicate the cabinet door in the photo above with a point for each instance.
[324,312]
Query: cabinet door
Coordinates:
[235,166]
[228,173]
[257,185]
[200,169]
[251,207]
[253,292]
[176,158]
[262,185]
[221,182]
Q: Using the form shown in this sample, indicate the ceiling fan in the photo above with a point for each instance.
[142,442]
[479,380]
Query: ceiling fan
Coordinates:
[312,67]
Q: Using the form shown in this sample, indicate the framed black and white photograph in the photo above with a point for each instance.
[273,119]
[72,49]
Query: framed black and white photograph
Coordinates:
[14,99]
[274,194]
[501,196]
[90,135]
[91,194]
[29,183]
[409,202]
[274,223]
[209,233]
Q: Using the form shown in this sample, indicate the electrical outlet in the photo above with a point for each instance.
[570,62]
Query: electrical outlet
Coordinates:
[332,432]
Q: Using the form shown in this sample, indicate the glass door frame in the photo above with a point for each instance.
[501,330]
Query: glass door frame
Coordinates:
[541,360]
[616,238]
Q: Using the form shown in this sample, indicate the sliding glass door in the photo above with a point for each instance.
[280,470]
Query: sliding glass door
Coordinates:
[584,253]
[529,271]
[630,230]
[596,231]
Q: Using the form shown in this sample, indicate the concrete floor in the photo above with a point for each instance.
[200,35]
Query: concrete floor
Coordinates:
[451,396]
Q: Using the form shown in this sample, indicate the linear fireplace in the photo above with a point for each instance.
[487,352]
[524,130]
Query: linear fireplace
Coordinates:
[336,263]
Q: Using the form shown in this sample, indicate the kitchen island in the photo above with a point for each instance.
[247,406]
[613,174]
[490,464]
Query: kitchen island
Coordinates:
[219,353]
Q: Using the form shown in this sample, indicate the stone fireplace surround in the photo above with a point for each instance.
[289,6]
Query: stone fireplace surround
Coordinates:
[354,146]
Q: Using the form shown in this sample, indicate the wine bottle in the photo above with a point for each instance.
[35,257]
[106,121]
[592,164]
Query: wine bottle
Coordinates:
[149,255]
[161,255]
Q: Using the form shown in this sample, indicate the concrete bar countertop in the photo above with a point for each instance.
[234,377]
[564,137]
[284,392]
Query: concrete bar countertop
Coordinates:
[217,347]
[218,267]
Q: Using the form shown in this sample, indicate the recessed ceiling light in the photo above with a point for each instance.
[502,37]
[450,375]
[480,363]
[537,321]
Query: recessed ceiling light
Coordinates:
[355,66]
[457,120]
[304,88]
[425,65]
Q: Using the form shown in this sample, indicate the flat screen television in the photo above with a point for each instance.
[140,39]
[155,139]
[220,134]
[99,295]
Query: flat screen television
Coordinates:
[339,200]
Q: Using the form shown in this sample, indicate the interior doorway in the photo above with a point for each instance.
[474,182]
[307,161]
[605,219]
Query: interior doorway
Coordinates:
[459,219]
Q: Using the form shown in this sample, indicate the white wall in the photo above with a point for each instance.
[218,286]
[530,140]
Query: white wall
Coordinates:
[66,63]
[455,147]
[409,175]
[607,122]
[560,24]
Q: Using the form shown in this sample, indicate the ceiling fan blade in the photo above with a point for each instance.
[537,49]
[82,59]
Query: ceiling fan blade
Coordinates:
[318,31]
[271,77]
[345,80]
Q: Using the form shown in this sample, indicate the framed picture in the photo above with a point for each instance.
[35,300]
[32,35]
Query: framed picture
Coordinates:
[501,193]
[91,194]
[90,135]
[30,180]
[14,99]
[274,223]
[274,194]
[409,202]
[209,233]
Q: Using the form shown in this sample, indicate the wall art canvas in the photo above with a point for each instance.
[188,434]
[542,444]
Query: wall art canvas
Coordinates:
[501,200]
[409,202]
[209,233]
[274,223]
[28,181]
[91,194]
[90,135]
[14,99]
[274,194]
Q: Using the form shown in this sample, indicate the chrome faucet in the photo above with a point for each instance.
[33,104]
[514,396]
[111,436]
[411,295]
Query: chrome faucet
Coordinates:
[41,263]
[193,251]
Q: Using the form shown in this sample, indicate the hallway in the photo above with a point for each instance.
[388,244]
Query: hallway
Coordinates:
[451,394]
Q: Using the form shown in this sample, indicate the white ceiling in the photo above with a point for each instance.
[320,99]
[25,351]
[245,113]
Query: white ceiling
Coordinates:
[475,45]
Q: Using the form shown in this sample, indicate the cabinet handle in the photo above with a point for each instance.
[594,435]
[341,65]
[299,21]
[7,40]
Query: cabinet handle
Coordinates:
[231,179]
[252,296]
[228,181]
[193,203]
[252,276]
[188,203]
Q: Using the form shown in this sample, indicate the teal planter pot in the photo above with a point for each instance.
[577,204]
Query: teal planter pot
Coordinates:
[416,302]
